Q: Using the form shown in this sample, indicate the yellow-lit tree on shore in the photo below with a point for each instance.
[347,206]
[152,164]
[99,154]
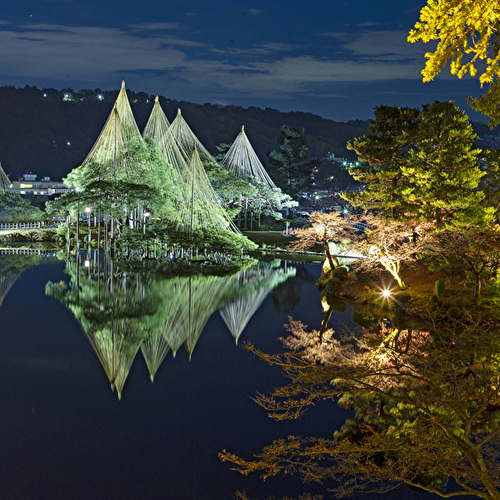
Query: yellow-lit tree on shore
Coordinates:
[467,35]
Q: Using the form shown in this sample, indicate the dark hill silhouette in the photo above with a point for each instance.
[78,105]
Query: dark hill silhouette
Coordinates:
[49,131]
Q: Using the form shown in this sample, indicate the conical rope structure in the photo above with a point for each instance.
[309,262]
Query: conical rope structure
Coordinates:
[242,161]
[180,132]
[110,153]
[204,209]
[184,152]
[157,124]
[5,183]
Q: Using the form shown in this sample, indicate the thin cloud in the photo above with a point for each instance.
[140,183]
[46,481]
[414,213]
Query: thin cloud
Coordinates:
[255,12]
[155,26]
[257,50]
[92,55]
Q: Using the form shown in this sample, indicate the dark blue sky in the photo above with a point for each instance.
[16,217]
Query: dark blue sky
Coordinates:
[335,58]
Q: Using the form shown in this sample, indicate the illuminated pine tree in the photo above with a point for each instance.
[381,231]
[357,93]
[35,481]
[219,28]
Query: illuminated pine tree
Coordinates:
[385,150]
[442,173]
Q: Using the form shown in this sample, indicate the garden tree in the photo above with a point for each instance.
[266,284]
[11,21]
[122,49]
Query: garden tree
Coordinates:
[326,229]
[389,243]
[442,173]
[475,251]
[152,185]
[247,194]
[467,34]
[290,168]
[490,182]
[439,419]
[385,148]
[423,165]
[14,208]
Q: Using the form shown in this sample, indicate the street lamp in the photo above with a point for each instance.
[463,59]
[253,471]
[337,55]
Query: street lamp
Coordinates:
[145,216]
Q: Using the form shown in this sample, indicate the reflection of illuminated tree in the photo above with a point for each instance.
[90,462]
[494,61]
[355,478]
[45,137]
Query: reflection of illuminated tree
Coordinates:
[252,287]
[117,314]
[197,297]
[121,312]
[427,409]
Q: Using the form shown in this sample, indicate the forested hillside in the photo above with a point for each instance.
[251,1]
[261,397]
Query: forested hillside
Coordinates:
[49,132]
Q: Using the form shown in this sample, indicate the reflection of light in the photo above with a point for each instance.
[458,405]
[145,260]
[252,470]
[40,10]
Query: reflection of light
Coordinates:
[324,304]
[87,263]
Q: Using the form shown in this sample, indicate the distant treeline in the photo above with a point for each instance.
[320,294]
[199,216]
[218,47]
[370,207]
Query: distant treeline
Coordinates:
[49,131]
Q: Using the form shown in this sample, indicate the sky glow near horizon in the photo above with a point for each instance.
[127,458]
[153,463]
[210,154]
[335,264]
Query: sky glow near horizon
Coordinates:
[336,58]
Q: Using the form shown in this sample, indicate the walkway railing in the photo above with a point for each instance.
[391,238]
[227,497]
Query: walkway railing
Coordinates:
[27,251]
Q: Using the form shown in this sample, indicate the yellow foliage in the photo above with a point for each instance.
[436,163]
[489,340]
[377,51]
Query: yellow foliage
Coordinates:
[462,28]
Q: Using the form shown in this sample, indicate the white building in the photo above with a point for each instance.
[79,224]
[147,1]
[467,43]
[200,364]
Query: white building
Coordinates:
[30,185]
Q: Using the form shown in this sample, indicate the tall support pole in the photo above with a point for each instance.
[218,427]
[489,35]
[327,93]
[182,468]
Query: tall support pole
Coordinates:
[78,226]
[192,188]
[98,229]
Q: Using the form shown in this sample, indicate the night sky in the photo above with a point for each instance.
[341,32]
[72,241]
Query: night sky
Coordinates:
[334,58]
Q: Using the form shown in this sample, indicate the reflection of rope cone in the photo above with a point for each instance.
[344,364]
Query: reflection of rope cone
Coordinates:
[253,286]
[237,314]
[154,352]
[114,355]
[199,298]
[6,284]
